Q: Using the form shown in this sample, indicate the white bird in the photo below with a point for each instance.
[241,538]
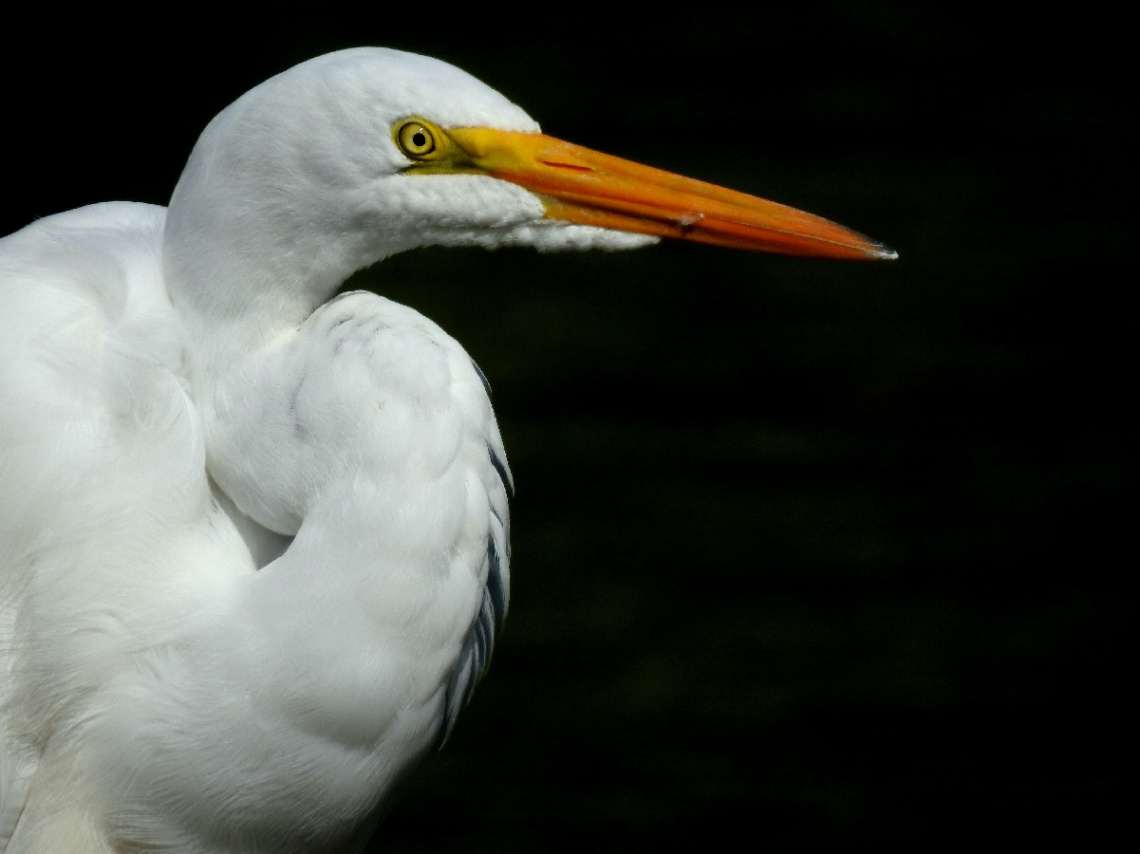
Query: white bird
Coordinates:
[254,539]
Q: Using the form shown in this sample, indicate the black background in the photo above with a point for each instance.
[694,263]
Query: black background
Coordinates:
[808,556]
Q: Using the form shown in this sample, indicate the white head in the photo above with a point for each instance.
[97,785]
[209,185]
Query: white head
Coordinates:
[306,179]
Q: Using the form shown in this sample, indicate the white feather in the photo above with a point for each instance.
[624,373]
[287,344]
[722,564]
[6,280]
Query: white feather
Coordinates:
[253,546]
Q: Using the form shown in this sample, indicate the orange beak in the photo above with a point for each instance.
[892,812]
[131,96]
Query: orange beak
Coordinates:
[584,186]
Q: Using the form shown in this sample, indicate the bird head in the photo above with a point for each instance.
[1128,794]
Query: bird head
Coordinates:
[353,156]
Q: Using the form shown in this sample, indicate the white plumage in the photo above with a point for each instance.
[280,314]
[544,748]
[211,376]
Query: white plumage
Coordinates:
[254,539]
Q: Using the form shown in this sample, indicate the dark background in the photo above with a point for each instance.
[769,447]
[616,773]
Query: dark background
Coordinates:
[809,556]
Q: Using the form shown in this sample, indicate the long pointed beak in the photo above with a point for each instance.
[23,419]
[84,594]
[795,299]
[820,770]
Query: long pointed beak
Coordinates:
[584,186]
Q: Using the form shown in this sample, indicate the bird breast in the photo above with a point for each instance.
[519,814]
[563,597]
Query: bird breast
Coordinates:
[368,434]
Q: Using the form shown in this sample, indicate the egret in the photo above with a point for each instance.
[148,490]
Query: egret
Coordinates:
[254,537]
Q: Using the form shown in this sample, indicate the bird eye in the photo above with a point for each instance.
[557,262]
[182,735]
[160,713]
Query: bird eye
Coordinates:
[416,139]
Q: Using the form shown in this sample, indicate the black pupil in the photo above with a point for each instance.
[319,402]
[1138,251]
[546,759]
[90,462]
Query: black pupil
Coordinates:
[419,139]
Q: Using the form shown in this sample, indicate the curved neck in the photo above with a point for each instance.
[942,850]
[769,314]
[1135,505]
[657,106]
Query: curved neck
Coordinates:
[256,239]
[238,284]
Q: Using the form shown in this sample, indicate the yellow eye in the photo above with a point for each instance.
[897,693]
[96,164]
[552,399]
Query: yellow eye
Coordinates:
[416,139]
